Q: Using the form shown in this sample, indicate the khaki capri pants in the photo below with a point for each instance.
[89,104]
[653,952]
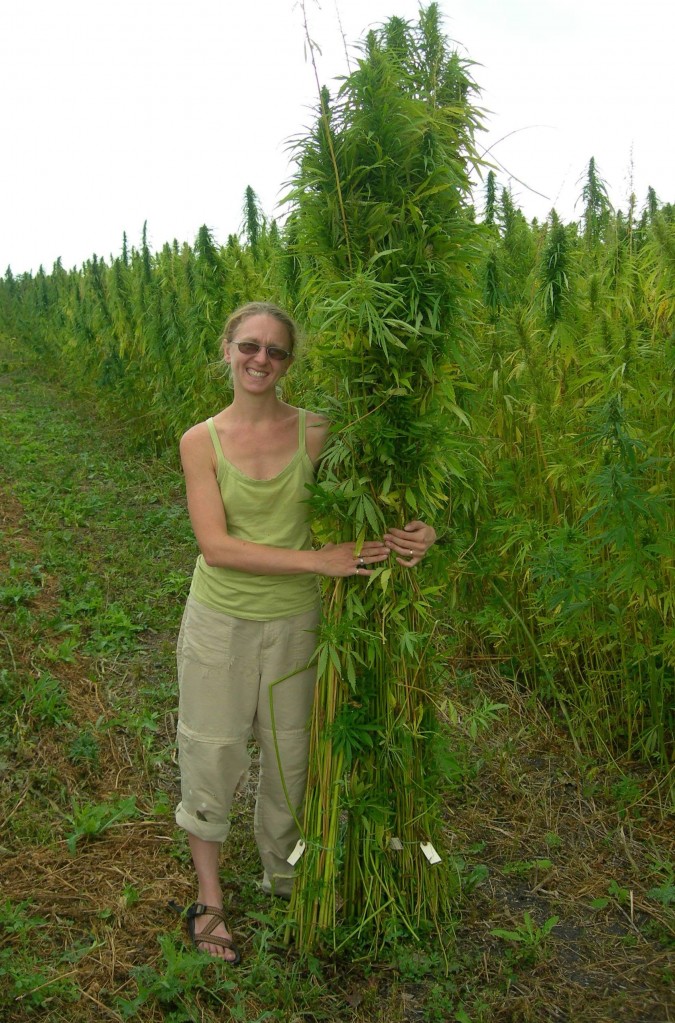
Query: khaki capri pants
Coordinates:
[226,670]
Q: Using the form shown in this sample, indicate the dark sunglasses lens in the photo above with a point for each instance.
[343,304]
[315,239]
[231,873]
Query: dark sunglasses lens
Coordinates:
[248,347]
[278,354]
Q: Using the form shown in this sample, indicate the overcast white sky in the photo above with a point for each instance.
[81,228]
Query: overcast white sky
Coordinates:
[165,110]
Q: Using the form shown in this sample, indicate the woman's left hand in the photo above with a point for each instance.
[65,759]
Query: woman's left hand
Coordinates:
[411,543]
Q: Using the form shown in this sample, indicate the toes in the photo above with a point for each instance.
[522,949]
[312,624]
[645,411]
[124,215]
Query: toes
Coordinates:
[223,953]
[228,955]
[218,951]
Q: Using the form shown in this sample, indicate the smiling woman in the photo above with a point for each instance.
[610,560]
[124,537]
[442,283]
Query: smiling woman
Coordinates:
[256,359]
[250,623]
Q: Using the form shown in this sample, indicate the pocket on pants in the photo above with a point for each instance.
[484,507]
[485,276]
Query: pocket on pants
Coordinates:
[206,635]
[217,675]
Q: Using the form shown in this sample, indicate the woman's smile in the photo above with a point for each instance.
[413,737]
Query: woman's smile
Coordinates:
[268,333]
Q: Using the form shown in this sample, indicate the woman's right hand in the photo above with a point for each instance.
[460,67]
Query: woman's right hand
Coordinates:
[340,559]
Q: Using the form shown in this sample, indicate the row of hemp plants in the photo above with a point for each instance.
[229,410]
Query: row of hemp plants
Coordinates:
[574,391]
[382,237]
[139,333]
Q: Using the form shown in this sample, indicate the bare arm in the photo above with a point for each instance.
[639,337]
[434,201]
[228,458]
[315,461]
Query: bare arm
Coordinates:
[221,550]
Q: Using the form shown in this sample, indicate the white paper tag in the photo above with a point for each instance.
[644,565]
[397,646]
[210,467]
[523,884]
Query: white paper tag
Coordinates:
[430,853]
[395,844]
[297,852]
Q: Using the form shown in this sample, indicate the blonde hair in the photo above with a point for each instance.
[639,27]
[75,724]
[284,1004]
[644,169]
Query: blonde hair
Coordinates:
[244,312]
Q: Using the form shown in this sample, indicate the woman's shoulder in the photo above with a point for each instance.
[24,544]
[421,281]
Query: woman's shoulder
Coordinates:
[316,434]
[316,420]
[194,435]
[196,442]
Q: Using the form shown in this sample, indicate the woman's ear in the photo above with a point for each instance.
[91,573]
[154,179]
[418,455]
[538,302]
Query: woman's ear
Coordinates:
[226,352]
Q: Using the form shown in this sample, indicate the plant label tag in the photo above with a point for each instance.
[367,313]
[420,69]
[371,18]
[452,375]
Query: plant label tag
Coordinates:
[430,853]
[297,852]
[395,844]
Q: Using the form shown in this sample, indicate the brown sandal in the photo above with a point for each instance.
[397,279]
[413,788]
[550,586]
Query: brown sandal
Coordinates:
[206,936]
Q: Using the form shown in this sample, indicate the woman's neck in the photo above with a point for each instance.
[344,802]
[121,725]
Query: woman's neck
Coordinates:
[253,408]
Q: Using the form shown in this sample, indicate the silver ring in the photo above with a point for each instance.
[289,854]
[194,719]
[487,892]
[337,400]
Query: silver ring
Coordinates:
[362,563]
[410,554]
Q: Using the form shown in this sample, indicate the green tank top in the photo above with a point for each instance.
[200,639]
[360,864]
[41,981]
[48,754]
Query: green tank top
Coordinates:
[272,512]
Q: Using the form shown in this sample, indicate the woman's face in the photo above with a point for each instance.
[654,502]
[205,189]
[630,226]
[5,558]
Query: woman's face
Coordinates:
[260,371]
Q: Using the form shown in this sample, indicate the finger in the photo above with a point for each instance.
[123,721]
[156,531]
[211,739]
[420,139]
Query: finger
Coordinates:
[372,556]
[373,547]
[409,562]
[414,526]
[403,548]
[407,532]
[396,536]
[366,566]
[403,544]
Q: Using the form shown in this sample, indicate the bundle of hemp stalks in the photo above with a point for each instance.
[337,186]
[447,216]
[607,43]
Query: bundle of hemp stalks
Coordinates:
[381,234]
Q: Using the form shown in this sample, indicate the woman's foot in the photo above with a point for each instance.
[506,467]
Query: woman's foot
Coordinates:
[209,932]
[206,922]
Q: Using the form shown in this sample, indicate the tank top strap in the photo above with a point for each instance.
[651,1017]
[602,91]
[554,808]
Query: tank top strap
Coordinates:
[220,457]
[302,429]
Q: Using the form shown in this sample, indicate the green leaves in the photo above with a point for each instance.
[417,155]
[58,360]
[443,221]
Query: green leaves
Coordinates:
[529,939]
[89,820]
[381,236]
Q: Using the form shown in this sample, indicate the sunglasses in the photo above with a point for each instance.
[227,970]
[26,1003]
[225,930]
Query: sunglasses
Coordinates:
[252,348]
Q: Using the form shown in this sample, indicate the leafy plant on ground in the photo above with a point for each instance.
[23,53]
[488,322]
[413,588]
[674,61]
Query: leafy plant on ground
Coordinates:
[25,978]
[91,820]
[528,940]
[45,700]
[664,892]
[527,866]
[85,749]
[174,982]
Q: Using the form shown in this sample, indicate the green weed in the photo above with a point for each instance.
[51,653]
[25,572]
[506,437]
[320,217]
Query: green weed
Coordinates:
[63,653]
[618,892]
[627,792]
[45,700]
[112,632]
[13,594]
[173,984]
[89,820]
[25,978]
[528,940]
[130,896]
[18,590]
[665,891]
[85,749]
[527,866]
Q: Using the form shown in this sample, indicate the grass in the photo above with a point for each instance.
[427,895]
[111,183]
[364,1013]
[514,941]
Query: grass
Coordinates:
[94,565]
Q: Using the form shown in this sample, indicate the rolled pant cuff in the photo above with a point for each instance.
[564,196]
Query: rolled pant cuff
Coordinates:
[207,831]
[278,884]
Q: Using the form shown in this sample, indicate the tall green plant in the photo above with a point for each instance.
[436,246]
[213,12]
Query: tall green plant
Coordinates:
[574,399]
[383,238]
[597,207]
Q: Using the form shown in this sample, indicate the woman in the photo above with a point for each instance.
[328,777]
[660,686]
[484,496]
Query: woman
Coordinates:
[253,610]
